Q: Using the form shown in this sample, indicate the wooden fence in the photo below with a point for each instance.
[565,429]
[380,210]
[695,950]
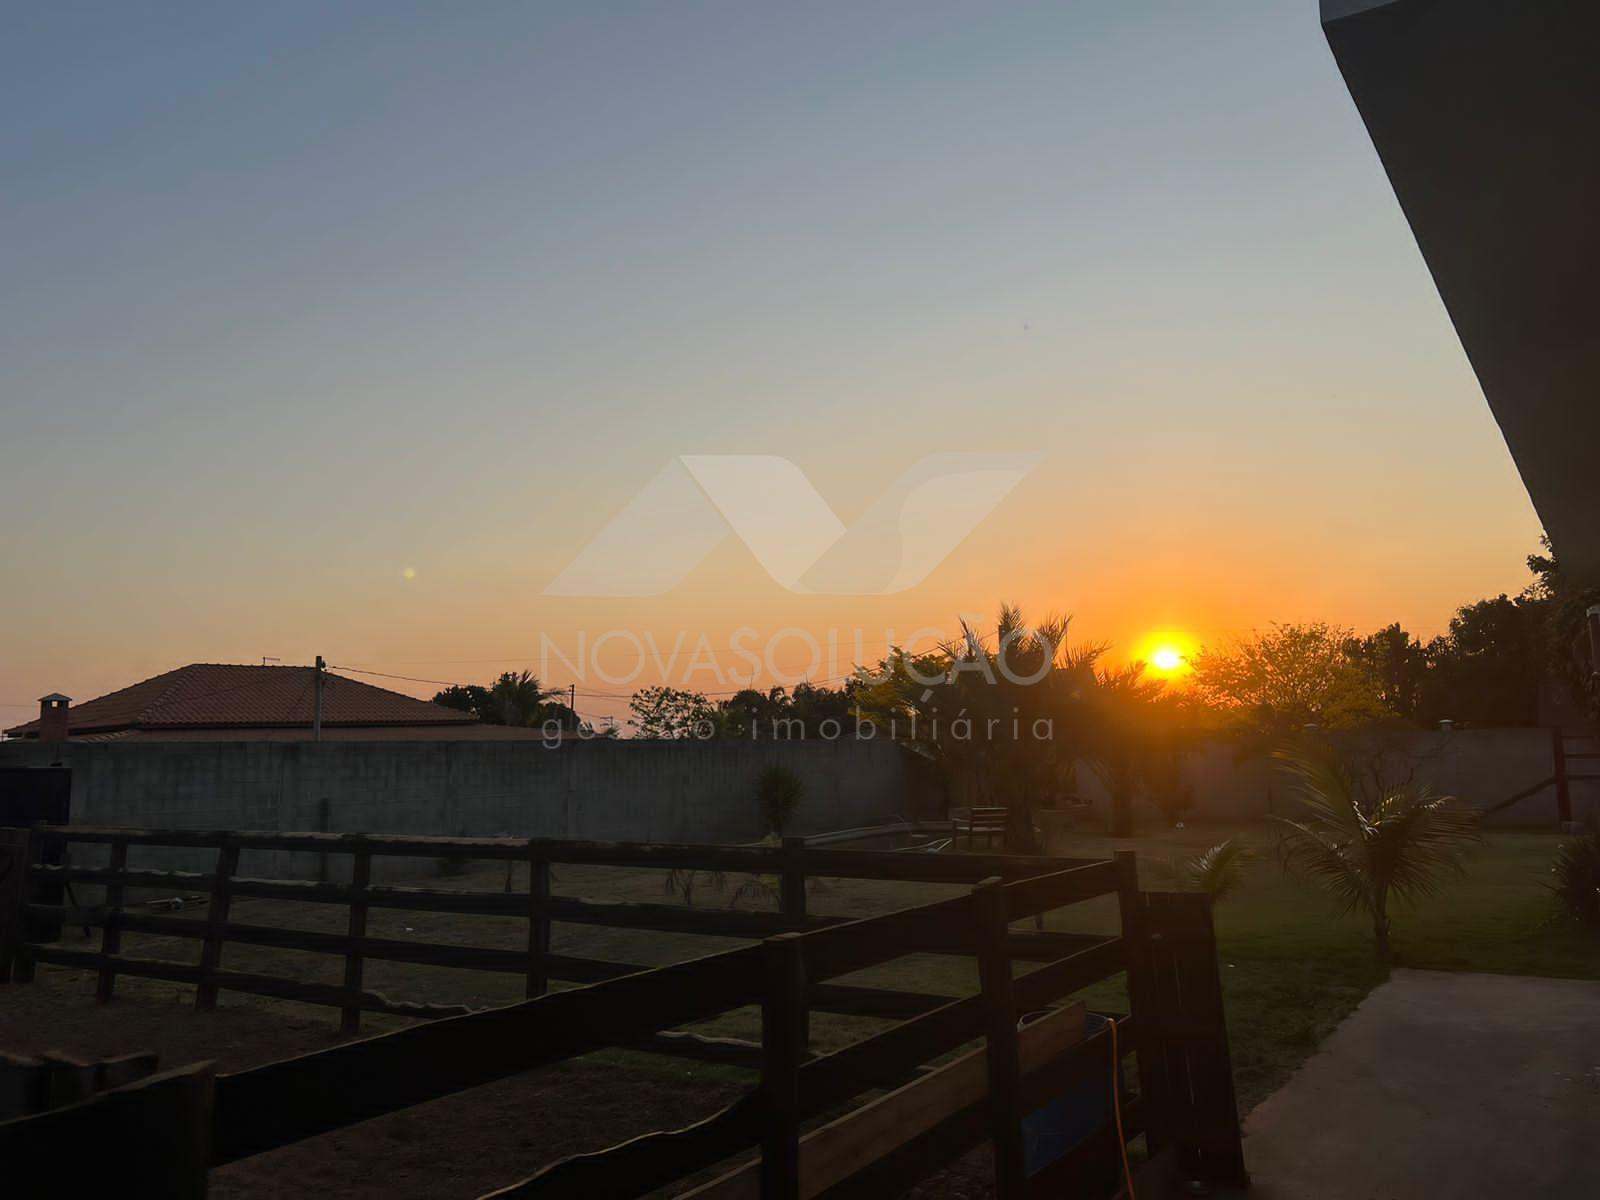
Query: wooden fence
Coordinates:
[1561,779]
[36,907]
[148,1138]
[1185,1105]
[32,1084]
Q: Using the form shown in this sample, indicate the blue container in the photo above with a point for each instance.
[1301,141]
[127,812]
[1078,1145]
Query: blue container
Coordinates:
[1051,1130]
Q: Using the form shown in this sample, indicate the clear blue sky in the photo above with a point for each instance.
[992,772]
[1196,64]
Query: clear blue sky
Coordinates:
[296,297]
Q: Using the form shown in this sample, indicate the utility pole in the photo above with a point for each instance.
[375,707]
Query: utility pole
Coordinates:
[316,704]
[572,703]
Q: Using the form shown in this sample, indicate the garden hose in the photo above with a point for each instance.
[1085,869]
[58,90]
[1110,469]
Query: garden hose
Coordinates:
[1116,1108]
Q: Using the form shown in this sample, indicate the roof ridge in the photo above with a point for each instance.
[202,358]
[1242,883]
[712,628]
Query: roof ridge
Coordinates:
[180,675]
[245,695]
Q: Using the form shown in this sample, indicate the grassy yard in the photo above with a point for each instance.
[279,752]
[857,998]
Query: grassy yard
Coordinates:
[1291,969]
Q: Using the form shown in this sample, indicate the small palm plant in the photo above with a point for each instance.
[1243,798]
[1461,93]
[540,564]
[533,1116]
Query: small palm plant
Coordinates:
[1399,843]
[1577,872]
[1218,871]
[778,794]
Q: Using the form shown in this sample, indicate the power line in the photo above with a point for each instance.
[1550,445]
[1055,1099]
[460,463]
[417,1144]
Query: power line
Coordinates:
[407,678]
[586,691]
[453,662]
[529,659]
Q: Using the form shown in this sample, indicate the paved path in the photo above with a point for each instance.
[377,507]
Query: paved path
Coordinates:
[1442,1087]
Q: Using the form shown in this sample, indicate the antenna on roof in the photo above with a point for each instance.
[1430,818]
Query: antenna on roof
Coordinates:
[321,670]
[265,659]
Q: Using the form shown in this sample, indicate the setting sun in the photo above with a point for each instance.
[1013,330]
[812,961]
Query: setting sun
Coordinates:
[1167,658]
[1166,654]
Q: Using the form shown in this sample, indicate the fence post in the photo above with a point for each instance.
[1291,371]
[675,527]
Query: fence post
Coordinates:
[149,1138]
[793,881]
[1000,1044]
[792,898]
[205,996]
[783,1014]
[14,859]
[324,825]
[354,963]
[167,1121]
[1143,1001]
[22,964]
[1206,1111]
[111,927]
[1558,750]
[538,927]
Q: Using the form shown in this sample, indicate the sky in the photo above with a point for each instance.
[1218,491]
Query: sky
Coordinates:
[342,329]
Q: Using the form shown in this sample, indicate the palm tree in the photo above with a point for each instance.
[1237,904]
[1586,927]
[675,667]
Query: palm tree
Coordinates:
[779,791]
[1365,850]
[517,698]
[1004,722]
[1126,718]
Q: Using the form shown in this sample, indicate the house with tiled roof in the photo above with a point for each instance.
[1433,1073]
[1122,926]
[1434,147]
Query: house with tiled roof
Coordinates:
[225,702]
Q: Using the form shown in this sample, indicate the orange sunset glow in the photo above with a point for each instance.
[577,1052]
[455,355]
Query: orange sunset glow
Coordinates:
[853,599]
[412,446]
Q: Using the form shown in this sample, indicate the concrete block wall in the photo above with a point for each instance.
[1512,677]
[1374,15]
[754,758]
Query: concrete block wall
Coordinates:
[688,791]
[649,791]
[1480,766]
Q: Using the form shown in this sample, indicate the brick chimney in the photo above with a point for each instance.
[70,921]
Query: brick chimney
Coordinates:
[53,717]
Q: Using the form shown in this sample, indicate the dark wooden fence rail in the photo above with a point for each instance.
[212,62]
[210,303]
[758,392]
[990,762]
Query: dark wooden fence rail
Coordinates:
[34,1084]
[1197,1122]
[791,863]
[147,1138]
[1185,1106]
[794,1090]
[285,1102]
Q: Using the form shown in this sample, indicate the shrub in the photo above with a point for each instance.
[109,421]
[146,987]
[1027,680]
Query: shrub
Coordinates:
[684,881]
[1577,872]
[778,793]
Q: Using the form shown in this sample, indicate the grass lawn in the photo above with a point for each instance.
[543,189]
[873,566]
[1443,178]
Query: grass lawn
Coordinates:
[1291,969]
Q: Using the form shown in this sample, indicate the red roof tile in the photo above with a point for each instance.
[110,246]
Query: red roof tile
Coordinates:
[222,696]
[470,731]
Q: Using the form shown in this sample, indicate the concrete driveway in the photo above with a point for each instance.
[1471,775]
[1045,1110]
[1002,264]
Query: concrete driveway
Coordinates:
[1442,1085]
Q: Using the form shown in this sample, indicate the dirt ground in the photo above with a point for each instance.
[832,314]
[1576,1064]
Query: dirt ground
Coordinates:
[463,1146]
[458,1146]
[454,1148]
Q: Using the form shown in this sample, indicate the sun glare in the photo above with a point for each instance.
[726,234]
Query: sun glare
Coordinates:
[1166,658]
[1166,654]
